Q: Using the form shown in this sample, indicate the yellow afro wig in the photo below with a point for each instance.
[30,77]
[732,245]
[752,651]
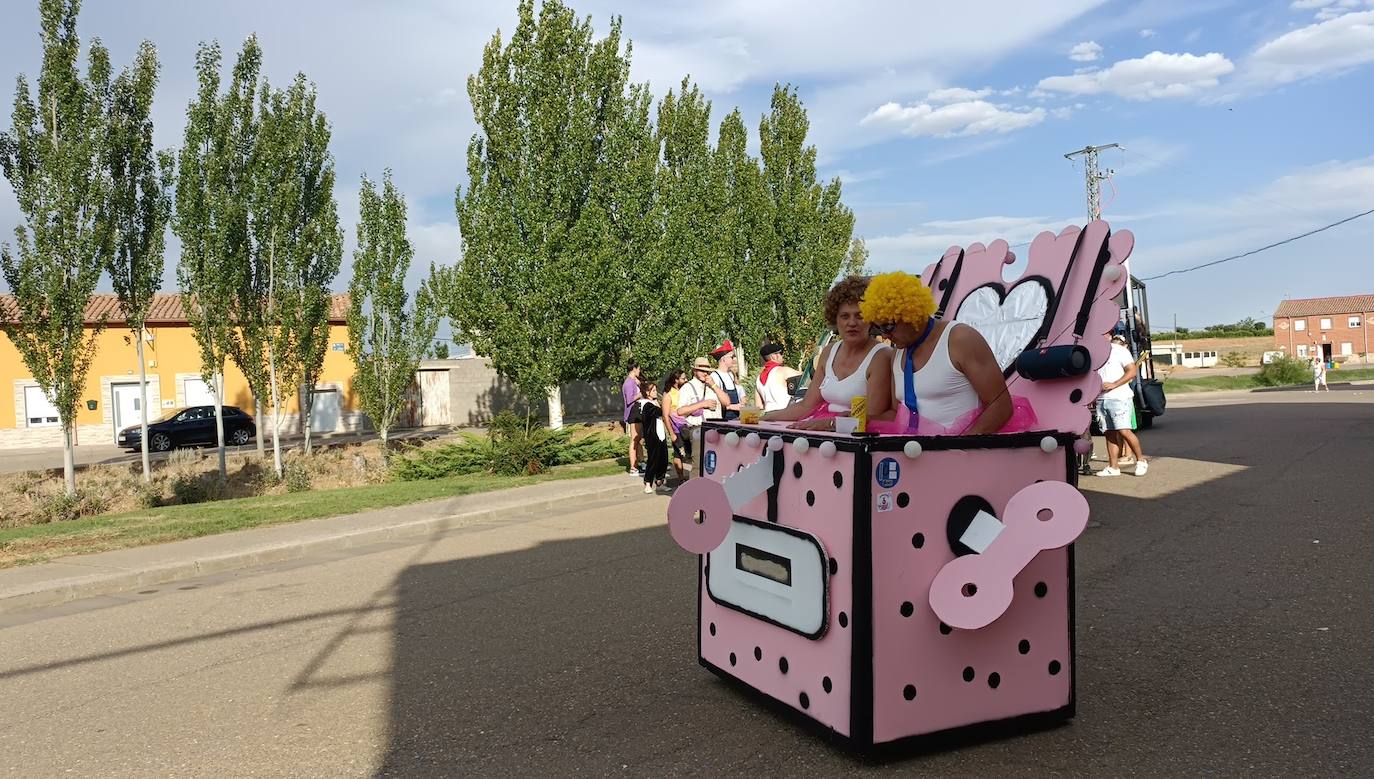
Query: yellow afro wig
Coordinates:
[897,297]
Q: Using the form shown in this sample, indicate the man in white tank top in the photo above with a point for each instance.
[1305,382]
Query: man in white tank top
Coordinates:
[940,370]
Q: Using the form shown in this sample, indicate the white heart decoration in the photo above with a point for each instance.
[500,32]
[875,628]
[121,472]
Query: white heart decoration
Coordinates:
[1009,324]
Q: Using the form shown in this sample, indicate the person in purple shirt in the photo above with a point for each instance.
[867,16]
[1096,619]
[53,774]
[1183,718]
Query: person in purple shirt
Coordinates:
[629,391]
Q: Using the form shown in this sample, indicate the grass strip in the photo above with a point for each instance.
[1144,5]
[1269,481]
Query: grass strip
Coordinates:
[1217,383]
[39,543]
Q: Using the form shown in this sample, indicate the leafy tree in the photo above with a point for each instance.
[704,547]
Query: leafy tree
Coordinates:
[139,206]
[678,282]
[553,213]
[811,228]
[292,244]
[53,157]
[856,261]
[439,351]
[211,217]
[386,341]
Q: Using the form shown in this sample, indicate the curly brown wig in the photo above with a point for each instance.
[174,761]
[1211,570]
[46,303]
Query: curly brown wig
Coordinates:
[850,290]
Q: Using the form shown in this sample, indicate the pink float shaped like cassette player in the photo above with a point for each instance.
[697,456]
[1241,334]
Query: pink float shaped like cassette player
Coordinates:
[894,587]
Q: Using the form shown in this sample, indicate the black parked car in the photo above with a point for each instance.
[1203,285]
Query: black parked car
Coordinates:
[193,425]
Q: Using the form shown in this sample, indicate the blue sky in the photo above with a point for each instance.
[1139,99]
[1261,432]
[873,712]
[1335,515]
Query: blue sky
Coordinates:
[1243,121]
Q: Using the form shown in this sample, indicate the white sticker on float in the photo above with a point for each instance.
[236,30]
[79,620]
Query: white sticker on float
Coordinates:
[981,532]
[884,502]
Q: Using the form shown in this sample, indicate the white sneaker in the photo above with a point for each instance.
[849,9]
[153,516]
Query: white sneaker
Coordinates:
[1109,471]
[1141,467]
[648,489]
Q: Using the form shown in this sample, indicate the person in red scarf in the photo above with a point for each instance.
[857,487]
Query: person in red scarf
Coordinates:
[772,382]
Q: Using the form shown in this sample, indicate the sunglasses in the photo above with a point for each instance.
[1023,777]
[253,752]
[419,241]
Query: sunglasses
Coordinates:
[886,329]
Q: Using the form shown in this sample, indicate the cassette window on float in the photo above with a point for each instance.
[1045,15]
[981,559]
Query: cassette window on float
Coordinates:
[766,564]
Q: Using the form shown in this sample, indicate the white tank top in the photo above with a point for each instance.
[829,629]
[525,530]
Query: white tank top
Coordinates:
[839,393]
[943,394]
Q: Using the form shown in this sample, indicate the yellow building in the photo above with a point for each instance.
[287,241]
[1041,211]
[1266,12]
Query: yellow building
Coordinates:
[111,399]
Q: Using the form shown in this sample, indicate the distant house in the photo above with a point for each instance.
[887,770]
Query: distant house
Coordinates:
[111,399]
[1336,328]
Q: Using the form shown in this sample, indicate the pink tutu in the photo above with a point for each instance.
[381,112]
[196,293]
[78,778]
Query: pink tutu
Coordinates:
[1021,420]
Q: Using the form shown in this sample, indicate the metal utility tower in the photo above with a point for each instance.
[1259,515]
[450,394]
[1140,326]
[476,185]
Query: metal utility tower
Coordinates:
[1093,176]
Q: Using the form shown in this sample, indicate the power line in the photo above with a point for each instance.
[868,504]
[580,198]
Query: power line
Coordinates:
[1262,248]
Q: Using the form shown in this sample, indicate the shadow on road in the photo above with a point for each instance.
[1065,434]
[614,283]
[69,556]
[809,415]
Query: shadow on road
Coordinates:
[1221,629]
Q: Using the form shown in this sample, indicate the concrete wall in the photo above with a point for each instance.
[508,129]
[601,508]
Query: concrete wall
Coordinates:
[477,393]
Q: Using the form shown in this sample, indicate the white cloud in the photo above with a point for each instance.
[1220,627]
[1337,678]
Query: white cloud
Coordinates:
[973,117]
[1148,33]
[914,249]
[1087,51]
[1156,75]
[1327,47]
[956,95]
[1307,5]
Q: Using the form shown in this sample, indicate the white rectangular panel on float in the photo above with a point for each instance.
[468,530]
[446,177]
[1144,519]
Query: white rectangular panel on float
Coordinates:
[773,573]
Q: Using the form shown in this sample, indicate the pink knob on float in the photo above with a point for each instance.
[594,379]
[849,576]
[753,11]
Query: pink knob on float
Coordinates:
[699,515]
[751,440]
[1082,446]
[712,436]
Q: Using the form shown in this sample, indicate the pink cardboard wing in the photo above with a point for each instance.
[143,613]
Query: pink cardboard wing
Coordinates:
[1066,295]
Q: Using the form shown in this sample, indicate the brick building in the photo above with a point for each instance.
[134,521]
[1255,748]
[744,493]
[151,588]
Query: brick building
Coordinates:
[1337,328]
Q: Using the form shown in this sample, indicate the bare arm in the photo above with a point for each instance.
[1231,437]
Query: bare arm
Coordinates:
[880,406]
[973,357]
[808,402]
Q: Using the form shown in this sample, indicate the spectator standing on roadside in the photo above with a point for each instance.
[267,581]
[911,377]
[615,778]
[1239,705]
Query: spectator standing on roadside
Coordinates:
[1116,409]
[696,401]
[1319,374]
[772,383]
[723,380]
[630,393]
[677,424]
[655,437]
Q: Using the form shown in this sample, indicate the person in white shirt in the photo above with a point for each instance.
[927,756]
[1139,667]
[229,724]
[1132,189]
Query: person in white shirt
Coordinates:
[772,382]
[1319,374]
[1116,409]
[722,380]
[696,402]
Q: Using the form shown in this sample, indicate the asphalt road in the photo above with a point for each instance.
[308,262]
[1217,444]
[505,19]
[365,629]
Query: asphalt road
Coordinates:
[1224,628]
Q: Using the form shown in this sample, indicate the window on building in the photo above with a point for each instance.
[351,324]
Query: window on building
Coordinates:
[1354,321]
[1347,347]
[1299,324]
[1302,350]
[1326,324]
[38,410]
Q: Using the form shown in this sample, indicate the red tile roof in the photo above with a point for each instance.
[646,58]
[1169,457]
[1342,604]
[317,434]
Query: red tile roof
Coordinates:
[1346,304]
[165,309]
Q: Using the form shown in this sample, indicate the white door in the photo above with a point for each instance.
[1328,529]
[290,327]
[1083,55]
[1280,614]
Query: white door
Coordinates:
[324,412]
[127,406]
[198,393]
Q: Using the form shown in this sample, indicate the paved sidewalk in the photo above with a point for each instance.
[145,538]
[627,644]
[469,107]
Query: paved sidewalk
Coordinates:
[107,573]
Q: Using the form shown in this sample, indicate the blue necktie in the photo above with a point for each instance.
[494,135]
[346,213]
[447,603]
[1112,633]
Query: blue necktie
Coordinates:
[909,370]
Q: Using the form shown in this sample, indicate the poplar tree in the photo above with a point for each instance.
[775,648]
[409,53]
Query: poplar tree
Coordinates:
[53,156]
[211,217]
[804,248]
[292,245]
[553,212]
[385,339]
[139,207]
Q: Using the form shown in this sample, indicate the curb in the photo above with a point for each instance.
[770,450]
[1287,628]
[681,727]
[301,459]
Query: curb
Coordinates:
[110,580]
